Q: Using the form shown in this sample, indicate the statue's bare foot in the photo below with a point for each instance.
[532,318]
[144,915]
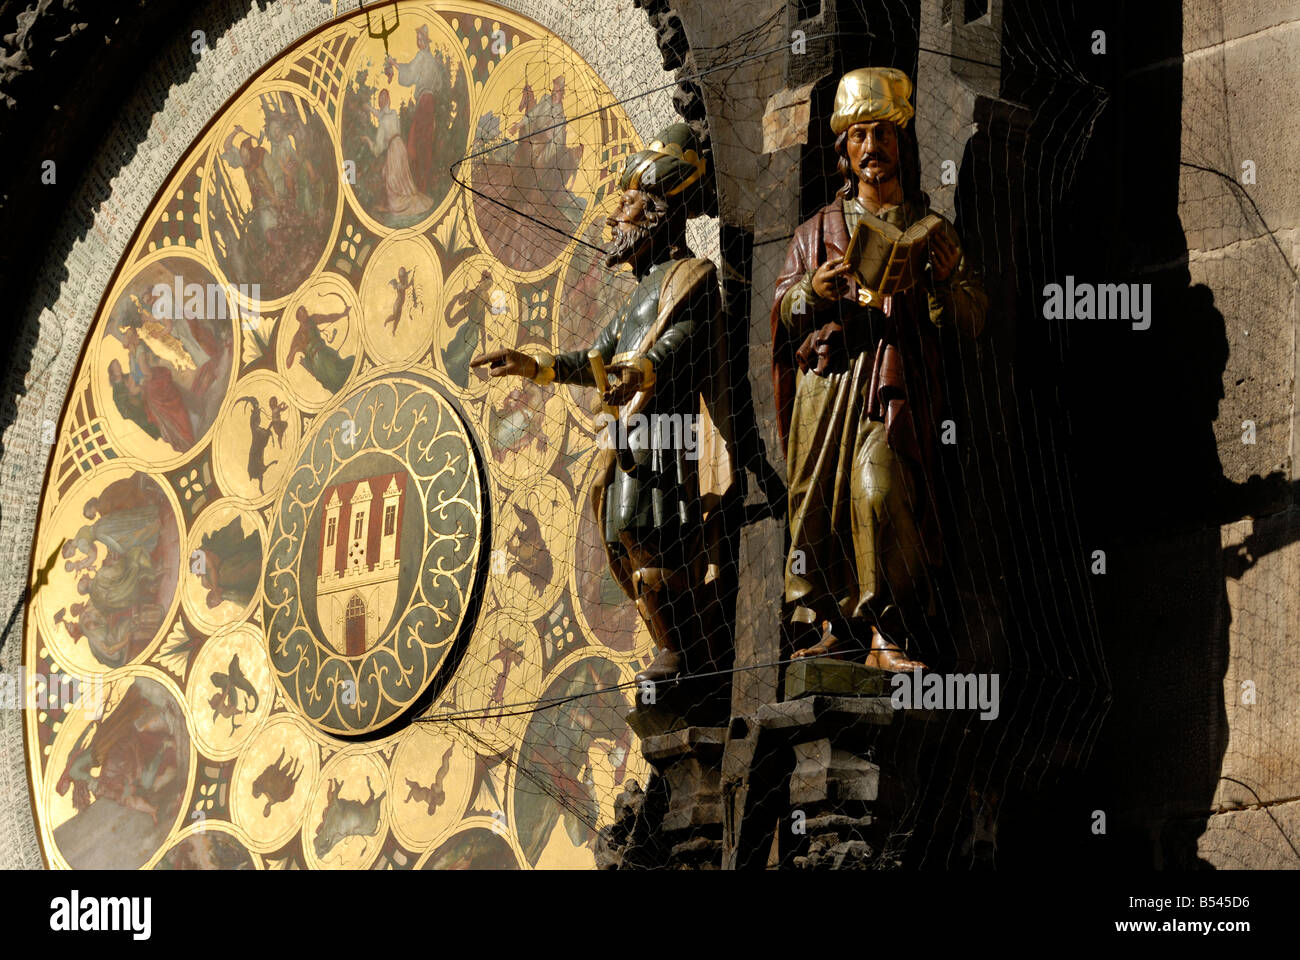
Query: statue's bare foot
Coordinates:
[887,655]
[818,649]
[830,645]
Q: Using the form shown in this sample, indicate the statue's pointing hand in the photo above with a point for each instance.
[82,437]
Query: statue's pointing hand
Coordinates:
[506,363]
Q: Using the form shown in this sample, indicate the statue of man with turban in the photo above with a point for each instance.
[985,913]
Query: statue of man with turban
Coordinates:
[858,391]
[668,466]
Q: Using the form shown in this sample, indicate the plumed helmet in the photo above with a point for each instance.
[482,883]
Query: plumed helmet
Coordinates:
[870,94]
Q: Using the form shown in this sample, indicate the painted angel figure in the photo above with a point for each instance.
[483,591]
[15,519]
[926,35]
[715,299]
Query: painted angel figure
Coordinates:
[402,285]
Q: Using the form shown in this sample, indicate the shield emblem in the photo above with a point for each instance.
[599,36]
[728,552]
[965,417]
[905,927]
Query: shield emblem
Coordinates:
[359,560]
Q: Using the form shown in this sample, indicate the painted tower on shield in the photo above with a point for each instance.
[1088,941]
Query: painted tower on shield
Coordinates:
[360,557]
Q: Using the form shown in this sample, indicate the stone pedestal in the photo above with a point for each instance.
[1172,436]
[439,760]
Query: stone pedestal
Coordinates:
[672,705]
[841,678]
[690,761]
[825,774]
[677,821]
[802,783]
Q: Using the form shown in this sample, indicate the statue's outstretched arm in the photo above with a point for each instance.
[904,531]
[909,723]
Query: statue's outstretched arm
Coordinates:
[574,367]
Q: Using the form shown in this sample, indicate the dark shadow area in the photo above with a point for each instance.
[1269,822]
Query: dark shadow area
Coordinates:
[1143,404]
[1139,411]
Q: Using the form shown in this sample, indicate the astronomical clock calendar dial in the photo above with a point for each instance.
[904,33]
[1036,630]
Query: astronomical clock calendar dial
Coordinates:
[337,597]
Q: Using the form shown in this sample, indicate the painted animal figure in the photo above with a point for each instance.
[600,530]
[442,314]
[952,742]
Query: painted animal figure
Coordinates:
[346,818]
[433,795]
[257,465]
[226,702]
[277,782]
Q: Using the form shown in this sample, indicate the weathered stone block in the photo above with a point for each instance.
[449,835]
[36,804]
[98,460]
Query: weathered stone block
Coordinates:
[1262,682]
[677,704]
[1232,97]
[653,720]
[694,795]
[809,718]
[841,678]
[1252,839]
[785,121]
[824,773]
[846,855]
[1260,329]
[1210,22]
[698,741]
[690,761]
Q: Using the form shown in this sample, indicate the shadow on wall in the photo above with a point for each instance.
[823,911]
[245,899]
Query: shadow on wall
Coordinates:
[1151,490]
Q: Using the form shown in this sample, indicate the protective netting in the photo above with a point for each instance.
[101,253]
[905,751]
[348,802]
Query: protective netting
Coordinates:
[373,563]
[1014,597]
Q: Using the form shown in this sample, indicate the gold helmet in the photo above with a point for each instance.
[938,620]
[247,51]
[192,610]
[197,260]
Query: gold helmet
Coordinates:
[671,166]
[872,93]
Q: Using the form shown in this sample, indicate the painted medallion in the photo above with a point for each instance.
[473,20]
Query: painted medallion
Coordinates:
[318,595]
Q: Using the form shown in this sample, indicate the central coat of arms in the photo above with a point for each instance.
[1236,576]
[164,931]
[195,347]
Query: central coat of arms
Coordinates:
[374,558]
[359,561]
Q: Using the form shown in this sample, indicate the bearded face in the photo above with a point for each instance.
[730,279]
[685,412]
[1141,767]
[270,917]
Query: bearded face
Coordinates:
[635,227]
[872,149]
[627,243]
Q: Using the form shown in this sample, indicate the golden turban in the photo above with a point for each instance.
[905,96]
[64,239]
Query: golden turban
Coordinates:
[870,94]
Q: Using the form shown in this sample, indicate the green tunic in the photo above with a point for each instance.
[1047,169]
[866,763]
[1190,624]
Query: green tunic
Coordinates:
[457,354]
[659,498]
[324,362]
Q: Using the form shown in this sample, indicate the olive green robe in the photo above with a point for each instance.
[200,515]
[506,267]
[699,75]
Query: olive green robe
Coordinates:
[862,524]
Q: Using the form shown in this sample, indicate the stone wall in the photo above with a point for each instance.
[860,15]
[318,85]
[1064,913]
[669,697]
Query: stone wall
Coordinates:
[1241,84]
[1187,427]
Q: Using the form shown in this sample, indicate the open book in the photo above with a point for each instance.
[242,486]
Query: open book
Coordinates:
[888,260]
